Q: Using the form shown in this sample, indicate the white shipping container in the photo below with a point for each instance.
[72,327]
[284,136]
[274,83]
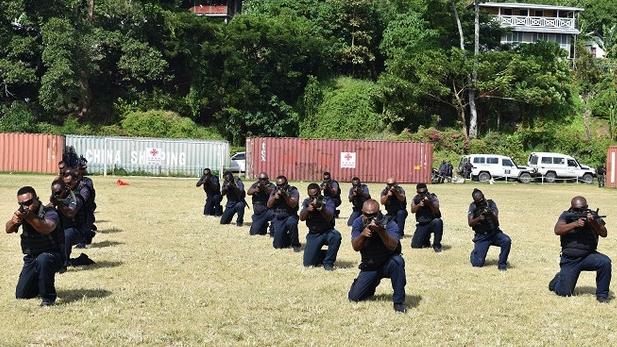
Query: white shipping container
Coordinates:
[153,156]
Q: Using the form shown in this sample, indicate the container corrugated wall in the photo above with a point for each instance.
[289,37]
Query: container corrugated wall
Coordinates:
[611,167]
[30,152]
[371,161]
[163,157]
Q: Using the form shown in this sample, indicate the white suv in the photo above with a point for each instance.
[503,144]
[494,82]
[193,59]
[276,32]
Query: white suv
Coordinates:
[493,166]
[551,166]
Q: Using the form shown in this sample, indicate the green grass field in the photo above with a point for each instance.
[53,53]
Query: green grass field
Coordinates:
[166,275]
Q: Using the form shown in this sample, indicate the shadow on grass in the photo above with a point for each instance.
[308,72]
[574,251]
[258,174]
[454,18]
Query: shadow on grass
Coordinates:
[345,264]
[101,220]
[110,230]
[102,265]
[72,295]
[411,301]
[494,262]
[105,244]
[583,290]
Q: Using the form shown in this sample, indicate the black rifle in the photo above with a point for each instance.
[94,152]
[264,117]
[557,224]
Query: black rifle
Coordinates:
[482,208]
[318,202]
[572,216]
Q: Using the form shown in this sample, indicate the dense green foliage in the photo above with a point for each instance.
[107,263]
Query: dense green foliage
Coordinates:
[311,68]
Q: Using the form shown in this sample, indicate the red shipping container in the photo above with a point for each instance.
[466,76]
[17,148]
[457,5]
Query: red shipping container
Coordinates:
[611,167]
[371,161]
[30,152]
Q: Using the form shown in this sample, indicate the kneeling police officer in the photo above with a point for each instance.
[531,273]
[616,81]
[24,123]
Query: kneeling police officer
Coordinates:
[284,204]
[233,188]
[428,216]
[260,192]
[318,212]
[483,218]
[212,187]
[377,239]
[394,199]
[358,194]
[42,240]
[578,229]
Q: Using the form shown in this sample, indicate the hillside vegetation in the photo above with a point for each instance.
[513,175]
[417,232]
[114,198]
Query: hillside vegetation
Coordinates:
[394,69]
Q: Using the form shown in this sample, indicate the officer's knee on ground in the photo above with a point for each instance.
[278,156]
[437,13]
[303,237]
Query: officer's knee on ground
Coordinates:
[476,262]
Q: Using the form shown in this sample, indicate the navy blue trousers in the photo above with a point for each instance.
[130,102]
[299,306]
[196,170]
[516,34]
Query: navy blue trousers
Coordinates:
[72,236]
[231,208]
[260,222]
[422,236]
[483,242]
[38,275]
[355,213]
[570,269]
[399,218]
[285,231]
[213,207]
[314,255]
[363,287]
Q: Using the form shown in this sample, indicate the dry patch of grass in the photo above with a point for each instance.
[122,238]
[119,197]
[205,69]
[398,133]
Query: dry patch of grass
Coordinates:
[166,275]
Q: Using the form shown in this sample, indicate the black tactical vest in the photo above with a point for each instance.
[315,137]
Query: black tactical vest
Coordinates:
[375,253]
[486,226]
[280,207]
[33,243]
[580,242]
[315,222]
[424,214]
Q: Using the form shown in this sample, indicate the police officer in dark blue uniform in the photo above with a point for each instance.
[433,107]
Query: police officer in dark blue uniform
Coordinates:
[318,212]
[212,187]
[332,190]
[393,198]
[284,204]
[233,188]
[377,239]
[260,192]
[578,229]
[428,216]
[358,194]
[74,217]
[483,218]
[90,205]
[41,243]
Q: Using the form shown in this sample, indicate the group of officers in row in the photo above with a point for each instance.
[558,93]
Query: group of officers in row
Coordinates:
[49,231]
[377,236]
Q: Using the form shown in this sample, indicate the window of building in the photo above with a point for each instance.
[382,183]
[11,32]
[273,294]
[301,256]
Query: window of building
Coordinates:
[523,12]
[538,13]
[507,11]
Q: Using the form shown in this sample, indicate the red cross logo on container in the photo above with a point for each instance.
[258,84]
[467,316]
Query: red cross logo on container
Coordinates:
[348,160]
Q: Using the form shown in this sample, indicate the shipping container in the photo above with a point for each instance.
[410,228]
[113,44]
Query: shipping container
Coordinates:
[38,153]
[371,161]
[151,156]
[611,169]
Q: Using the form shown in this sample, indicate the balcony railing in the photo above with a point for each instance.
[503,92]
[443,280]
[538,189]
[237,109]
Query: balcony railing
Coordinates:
[537,22]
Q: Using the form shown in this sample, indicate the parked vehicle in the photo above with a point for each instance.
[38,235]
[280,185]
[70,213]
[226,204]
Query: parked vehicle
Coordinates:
[495,166]
[553,166]
[238,162]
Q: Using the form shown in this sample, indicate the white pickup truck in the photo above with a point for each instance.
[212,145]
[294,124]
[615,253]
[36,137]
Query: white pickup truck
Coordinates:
[493,166]
[552,166]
